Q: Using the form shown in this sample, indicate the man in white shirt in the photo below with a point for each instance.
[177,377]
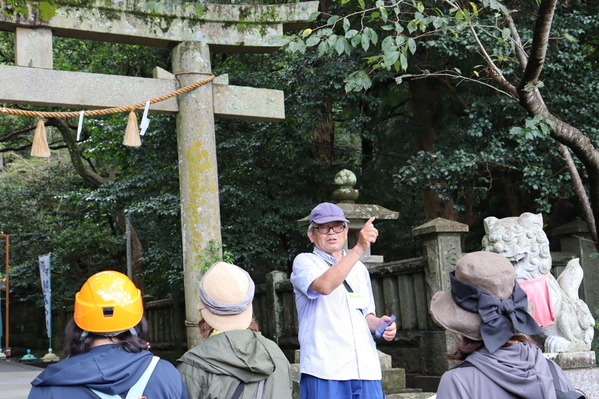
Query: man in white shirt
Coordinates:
[335,306]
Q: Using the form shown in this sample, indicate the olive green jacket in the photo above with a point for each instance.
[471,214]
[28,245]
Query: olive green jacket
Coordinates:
[214,368]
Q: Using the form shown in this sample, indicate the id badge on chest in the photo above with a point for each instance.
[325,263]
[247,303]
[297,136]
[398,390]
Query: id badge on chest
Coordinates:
[356,300]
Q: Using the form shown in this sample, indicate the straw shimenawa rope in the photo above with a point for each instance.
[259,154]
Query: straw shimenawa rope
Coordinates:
[106,111]
[40,148]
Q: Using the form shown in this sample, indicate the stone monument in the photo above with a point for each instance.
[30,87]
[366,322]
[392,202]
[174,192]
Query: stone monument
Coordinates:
[569,325]
[357,214]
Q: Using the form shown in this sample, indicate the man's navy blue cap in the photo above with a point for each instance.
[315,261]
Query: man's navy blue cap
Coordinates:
[327,212]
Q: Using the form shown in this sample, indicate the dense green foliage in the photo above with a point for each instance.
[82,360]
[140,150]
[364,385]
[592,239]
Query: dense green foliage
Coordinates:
[39,219]
[268,174]
[481,150]
[401,138]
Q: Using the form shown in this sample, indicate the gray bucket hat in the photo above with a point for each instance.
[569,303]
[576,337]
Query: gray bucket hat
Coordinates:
[484,303]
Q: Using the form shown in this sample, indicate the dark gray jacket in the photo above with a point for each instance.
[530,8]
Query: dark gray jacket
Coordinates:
[214,368]
[519,370]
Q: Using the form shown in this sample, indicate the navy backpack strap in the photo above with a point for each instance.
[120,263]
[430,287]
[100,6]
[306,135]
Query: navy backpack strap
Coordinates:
[238,391]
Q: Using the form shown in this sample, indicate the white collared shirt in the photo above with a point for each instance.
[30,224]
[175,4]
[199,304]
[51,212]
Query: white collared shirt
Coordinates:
[335,341]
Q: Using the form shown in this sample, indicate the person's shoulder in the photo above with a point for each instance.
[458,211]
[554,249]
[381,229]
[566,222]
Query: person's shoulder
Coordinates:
[191,357]
[274,350]
[303,256]
[247,336]
[462,370]
[305,260]
[166,373]
[267,341]
[165,365]
[457,377]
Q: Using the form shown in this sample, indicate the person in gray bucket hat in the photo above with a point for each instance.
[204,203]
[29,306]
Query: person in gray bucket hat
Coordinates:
[488,311]
[235,360]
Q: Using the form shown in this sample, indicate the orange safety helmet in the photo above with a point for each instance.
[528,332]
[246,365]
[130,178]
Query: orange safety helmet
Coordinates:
[108,302]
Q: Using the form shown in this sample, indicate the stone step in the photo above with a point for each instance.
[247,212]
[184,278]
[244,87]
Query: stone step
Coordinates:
[425,383]
[410,395]
[393,379]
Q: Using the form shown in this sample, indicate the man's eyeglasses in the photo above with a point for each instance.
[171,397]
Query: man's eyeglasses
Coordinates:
[324,229]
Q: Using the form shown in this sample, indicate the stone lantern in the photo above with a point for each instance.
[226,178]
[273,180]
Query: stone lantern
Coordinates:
[357,214]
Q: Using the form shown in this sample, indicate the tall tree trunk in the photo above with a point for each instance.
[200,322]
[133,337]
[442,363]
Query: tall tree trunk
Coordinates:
[424,93]
[136,249]
[325,5]
[581,193]
[367,152]
[563,133]
[527,93]
[323,142]
[510,194]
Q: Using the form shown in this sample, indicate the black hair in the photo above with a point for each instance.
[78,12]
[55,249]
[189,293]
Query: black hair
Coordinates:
[75,345]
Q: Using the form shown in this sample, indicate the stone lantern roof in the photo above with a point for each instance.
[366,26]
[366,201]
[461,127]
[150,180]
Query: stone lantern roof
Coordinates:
[357,214]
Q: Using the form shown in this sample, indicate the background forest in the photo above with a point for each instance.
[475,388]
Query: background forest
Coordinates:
[426,146]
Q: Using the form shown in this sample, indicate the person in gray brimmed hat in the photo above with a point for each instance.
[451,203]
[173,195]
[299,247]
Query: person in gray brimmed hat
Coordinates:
[488,311]
[235,359]
[335,306]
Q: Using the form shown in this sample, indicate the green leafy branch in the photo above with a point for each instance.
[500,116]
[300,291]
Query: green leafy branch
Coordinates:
[537,127]
[212,254]
[388,34]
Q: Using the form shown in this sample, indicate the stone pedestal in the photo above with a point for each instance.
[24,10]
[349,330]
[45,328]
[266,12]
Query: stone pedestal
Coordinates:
[49,357]
[435,345]
[442,242]
[572,360]
[575,239]
[393,379]
[586,380]
[442,245]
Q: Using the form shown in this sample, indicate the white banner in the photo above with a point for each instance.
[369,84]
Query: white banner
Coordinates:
[46,288]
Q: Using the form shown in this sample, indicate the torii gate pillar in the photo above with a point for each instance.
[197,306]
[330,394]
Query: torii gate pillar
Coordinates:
[200,211]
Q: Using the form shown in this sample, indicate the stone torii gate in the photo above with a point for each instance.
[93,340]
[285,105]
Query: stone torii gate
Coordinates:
[220,28]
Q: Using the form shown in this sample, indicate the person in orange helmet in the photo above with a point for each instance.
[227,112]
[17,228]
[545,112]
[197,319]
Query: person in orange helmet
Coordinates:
[106,352]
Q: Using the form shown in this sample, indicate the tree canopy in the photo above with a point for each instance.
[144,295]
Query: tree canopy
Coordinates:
[516,71]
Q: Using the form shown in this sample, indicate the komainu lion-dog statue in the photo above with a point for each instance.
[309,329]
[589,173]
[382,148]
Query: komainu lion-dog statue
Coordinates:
[523,241]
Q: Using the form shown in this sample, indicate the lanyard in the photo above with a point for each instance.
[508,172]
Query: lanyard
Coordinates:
[345,283]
